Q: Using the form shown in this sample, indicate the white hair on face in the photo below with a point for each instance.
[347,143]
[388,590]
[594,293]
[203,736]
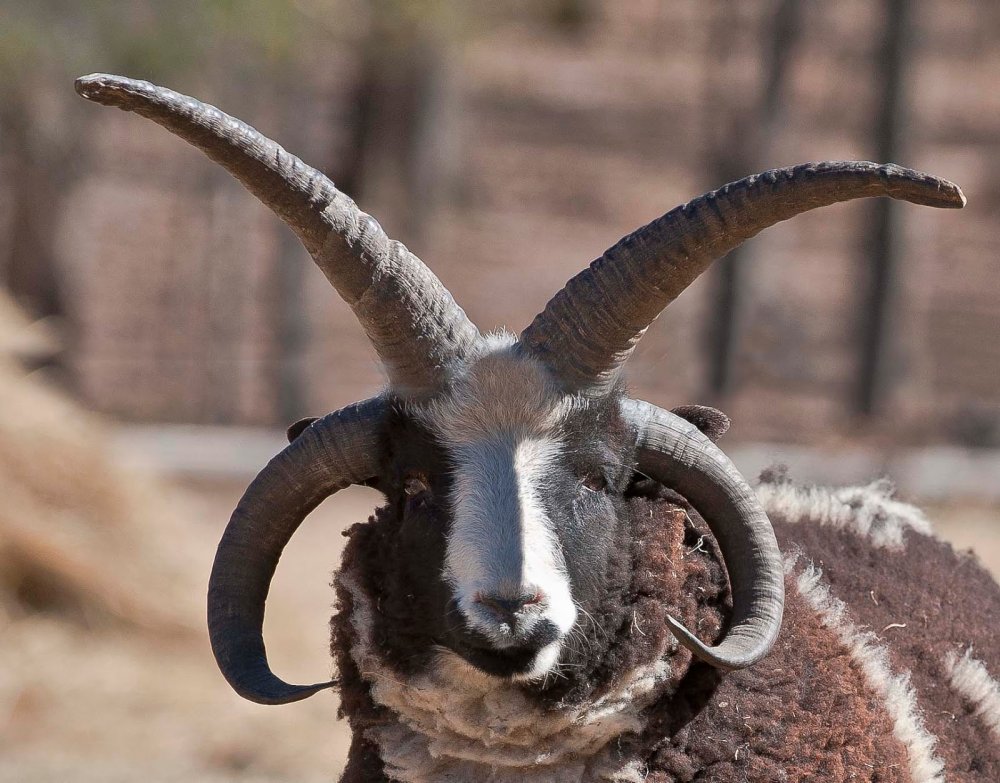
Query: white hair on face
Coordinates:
[970,678]
[868,510]
[500,425]
[452,722]
[500,392]
[873,657]
[502,540]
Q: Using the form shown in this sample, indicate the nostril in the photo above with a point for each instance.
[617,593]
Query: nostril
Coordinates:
[507,607]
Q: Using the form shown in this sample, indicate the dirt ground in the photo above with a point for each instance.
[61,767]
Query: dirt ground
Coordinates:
[110,705]
[97,704]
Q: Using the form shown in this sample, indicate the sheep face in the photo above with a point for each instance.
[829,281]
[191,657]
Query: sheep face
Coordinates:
[509,495]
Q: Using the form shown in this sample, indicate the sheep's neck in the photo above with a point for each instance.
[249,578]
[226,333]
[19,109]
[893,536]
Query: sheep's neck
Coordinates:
[454,723]
[447,721]
[451,722]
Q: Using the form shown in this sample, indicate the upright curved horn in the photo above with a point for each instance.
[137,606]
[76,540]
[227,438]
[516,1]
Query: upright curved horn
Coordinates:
[335,451]
[588,330]
[419,332]
[674,452]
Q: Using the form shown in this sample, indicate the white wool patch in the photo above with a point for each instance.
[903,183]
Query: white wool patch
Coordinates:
[868,510]
[873,658]
[455,723]
[970,678]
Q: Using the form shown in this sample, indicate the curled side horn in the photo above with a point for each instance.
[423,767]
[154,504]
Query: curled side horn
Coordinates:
[418,330]
[588,330]
[333,452]
[674,452]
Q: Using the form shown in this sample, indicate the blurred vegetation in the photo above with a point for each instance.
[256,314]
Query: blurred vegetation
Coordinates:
[377,93]
[53,37]
[57,39]
[44,45]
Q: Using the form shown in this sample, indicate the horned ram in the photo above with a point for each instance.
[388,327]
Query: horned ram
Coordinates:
[567,584]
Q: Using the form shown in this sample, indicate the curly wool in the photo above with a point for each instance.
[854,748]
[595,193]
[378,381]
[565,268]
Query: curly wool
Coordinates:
[971,680]
[869,510]
[924,601]
[805,713]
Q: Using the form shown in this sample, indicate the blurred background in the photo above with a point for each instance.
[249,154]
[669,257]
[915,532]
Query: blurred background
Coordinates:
[159,328]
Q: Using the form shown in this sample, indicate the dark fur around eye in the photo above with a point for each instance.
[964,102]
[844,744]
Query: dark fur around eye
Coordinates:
[416,484]
[594,482]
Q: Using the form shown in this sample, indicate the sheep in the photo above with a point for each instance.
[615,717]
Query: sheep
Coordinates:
[566,584]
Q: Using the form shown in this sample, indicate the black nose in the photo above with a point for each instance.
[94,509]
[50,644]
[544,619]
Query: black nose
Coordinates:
[505,608]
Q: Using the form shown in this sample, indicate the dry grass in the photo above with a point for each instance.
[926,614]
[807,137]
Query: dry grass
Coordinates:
[105,669]
[116,703]
[70,519]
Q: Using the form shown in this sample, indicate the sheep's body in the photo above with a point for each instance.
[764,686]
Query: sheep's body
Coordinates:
[884,670]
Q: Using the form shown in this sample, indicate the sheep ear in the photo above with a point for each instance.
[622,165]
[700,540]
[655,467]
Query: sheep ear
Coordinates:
[711,421]
[299,427]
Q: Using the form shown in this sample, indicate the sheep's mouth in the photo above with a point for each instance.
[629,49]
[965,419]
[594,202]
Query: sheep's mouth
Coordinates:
[500,663]
[505,662]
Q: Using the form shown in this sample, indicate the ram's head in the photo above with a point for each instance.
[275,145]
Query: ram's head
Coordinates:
[505,459]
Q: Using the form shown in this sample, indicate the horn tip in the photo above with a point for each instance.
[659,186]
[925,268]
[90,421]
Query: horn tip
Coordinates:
[949,195]
[280,692]
[105,88]
[717,657]
[923,189]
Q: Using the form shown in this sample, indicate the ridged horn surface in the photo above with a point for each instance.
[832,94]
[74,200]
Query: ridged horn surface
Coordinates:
[421,335]
[588,330]
[333,452]
[674,452]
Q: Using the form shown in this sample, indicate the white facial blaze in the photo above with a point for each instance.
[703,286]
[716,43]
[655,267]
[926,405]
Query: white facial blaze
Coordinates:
[500,423]
[502,542]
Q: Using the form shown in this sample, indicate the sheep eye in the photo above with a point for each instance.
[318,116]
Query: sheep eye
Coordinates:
[415,485]
[594,482]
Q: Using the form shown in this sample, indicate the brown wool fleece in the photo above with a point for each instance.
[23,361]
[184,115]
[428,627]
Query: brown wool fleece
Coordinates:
[944,599]
[805,713]
[670,574]
[363,762]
